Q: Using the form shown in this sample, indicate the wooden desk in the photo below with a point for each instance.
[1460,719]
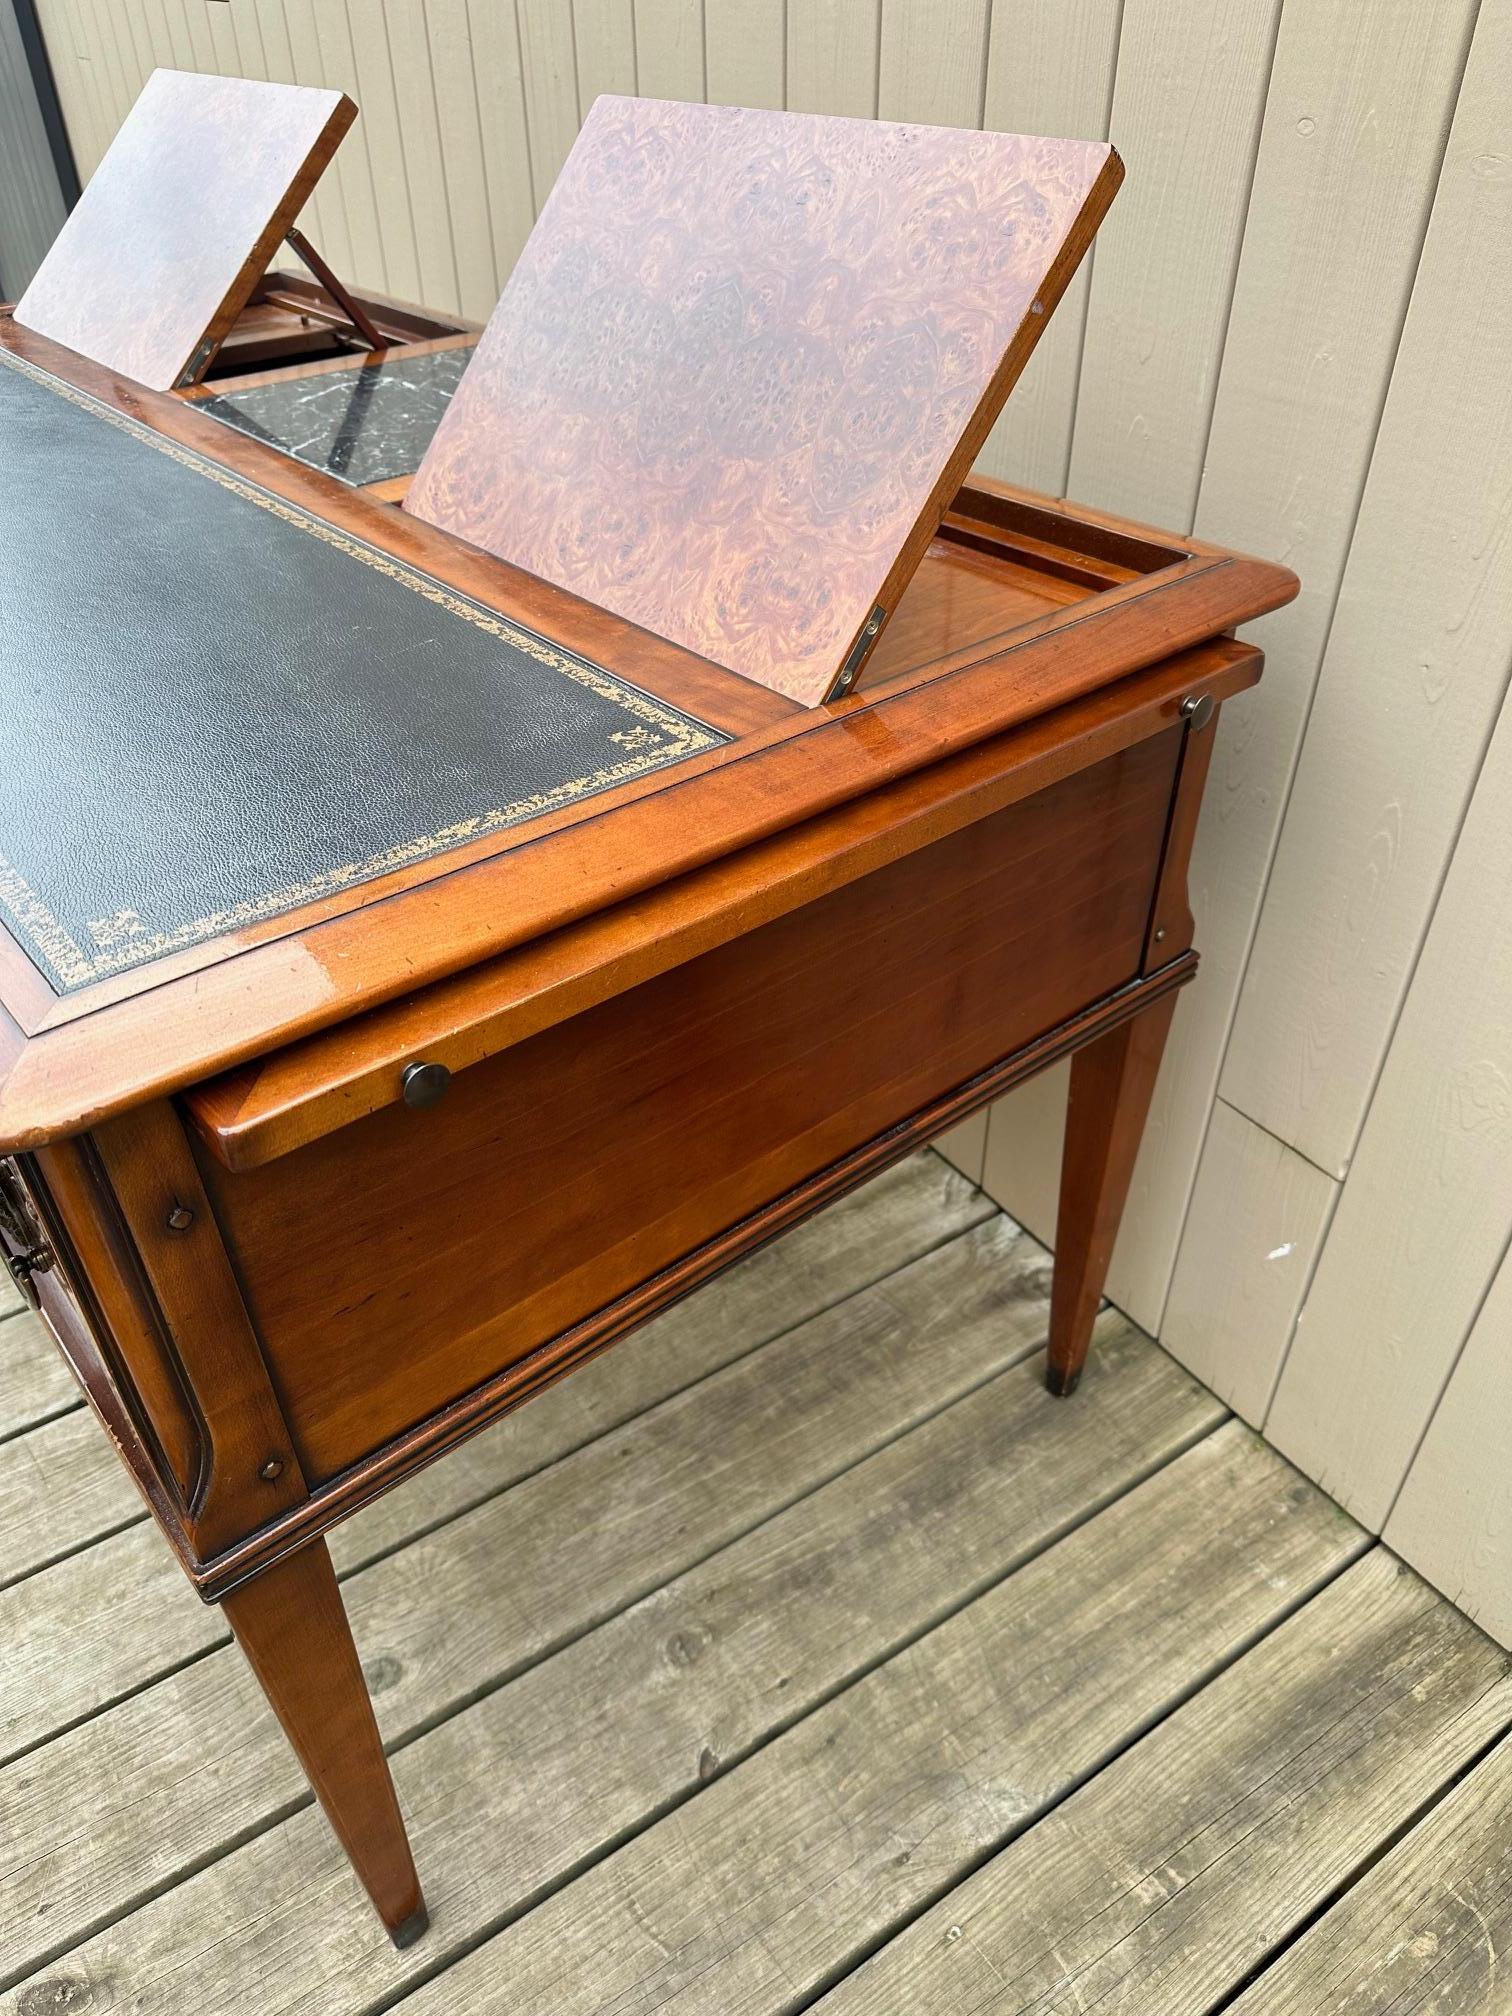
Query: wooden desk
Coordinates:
[679,1014]
[458,973]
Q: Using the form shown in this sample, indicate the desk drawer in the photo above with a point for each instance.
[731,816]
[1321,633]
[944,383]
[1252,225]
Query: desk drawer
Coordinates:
[395,1264]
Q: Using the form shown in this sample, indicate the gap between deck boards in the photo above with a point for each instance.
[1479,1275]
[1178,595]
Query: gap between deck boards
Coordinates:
[865,1636]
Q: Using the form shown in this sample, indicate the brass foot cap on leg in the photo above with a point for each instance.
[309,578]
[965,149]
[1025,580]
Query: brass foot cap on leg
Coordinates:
[414,1927]
[1060,1383]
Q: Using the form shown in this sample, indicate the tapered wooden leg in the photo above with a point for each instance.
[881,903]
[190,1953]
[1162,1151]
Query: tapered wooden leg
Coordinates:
[292,1624]
[1111,1083]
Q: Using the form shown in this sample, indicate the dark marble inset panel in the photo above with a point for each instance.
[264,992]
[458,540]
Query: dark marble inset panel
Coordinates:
[364,425]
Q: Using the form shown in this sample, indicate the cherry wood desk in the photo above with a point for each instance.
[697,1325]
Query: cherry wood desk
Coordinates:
[455,973]
[290,1263]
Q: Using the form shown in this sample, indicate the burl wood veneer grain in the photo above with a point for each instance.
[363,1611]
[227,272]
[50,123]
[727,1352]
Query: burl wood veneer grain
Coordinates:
[744,361]
[180,219]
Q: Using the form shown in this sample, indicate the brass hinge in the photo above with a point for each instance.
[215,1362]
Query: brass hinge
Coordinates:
[856,656]
[20,1231]
[197,362]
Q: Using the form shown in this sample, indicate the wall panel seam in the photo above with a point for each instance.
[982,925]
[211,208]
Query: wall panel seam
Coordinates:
[1451,104]
[1260,1127]
[577,68]
[367,153]
[1262,107]
[472,64]
[987,25]
[430,78]
[1302,1299]
[1410,974]
[1186,1217]
[1063,488]
[409,196]
[1438,1398]
[535,203]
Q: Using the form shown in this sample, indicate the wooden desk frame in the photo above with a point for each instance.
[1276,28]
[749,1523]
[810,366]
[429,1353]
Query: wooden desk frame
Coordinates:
[1046,780]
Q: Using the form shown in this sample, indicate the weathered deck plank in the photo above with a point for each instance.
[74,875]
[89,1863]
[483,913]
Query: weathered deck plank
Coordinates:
[62,1487]
[143,1623]
[453,1615]
[1158,1888]
[530,1784]
[35,1384]
[1427,1932]
[802,1654]
[783,1874]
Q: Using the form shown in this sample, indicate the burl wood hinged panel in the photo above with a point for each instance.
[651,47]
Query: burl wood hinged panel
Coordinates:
[745,361]
[613,1144]
[198,188]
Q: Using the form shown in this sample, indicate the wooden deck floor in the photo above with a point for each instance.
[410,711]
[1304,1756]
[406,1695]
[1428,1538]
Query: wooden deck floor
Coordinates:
[800,1654]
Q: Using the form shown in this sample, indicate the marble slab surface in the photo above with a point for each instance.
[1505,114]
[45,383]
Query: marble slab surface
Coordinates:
[364,425]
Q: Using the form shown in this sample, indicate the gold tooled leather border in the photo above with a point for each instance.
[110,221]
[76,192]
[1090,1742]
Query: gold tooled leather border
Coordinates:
[672,736]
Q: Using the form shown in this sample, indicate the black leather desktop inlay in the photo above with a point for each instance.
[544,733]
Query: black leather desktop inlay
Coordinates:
[218,707]
[364,424]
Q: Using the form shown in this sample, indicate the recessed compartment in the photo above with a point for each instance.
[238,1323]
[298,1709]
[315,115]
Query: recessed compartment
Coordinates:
[998,564]
[290,320]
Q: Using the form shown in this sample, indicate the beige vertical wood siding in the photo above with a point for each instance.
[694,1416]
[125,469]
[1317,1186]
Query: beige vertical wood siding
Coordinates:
[1294,335]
